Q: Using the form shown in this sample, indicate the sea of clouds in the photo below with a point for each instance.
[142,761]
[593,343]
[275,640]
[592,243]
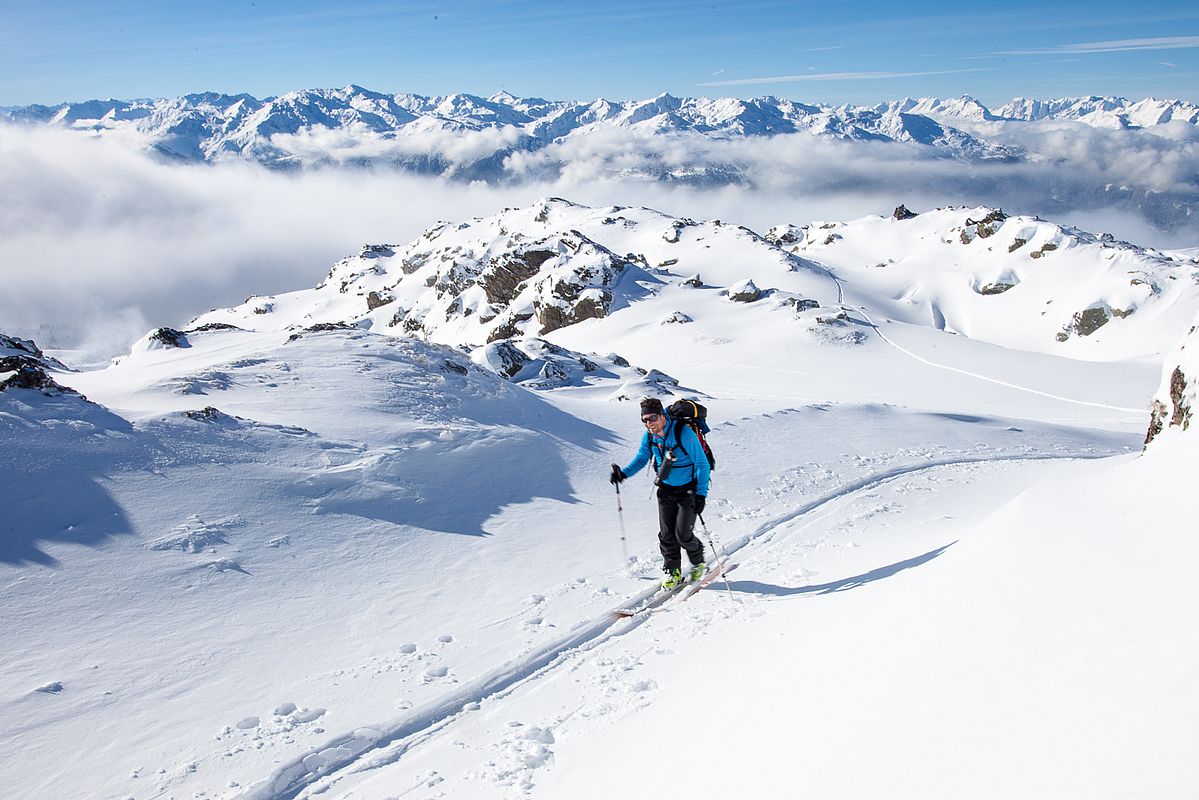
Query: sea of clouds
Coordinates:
[101,241]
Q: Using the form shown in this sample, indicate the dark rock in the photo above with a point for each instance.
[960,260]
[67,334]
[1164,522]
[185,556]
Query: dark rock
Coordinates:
[993,217]
[512,360]
[902,212]
[212,326]
[413,263]
[996,288]
[840,316]
[1016,244]
[377,251]
[1177,414]
[1088,321]
[500,280]
[455,367]
[378,299]
[205,414]
[29,374]
[748,293]
[322,327]
[695,282]
[170,337]
[509,327]
[801,303]
[1045,248]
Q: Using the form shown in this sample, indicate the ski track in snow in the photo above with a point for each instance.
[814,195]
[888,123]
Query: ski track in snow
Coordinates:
[996,381]
[373,746]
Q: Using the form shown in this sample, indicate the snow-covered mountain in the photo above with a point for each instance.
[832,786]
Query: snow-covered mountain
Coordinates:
[1099,112]
[357,125]
[1102,112]
[1018,282]
[297,129]
[357,540]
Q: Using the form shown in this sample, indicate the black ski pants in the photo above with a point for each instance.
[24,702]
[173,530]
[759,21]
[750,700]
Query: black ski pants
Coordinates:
[676,524]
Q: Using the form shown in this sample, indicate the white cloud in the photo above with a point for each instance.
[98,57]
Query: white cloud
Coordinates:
[355,143]
[1115,46]
[835,76]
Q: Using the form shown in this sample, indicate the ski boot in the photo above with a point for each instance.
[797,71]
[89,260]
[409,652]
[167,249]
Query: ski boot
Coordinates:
[697,571]
[674,577]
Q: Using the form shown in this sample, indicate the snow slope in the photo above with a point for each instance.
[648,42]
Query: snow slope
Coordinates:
[292,550]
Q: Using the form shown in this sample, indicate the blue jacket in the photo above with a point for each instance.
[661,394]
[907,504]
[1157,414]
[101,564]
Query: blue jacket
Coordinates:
[690,460]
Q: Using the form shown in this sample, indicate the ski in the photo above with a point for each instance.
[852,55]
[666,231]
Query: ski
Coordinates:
[649,604]
[721,568]
[685,589]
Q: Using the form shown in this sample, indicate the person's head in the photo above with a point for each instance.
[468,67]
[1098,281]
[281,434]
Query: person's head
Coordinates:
[653,416]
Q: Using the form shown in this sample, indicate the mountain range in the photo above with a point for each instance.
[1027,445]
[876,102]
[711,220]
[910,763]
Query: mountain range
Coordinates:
[410,130]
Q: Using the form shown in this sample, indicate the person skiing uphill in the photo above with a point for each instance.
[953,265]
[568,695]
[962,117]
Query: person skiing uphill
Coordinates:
[683,478]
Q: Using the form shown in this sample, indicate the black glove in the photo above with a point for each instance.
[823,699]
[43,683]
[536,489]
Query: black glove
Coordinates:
[617,474]
[701,500]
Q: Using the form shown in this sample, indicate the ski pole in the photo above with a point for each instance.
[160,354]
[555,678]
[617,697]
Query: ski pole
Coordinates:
[719,555]
[624,545]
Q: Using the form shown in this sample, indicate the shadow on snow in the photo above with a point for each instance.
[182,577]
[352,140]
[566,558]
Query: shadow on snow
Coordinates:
[845,584]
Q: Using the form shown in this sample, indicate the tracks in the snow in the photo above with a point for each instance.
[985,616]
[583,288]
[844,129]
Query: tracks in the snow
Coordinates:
[372,746]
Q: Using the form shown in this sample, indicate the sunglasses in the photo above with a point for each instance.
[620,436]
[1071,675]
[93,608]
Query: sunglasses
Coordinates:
[647,419]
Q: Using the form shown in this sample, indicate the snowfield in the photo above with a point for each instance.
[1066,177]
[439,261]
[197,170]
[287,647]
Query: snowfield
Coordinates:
[357,541]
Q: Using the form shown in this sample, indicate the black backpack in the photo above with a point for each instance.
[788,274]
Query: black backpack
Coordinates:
[695,417]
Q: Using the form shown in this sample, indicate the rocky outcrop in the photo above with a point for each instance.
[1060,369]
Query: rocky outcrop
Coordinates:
[1177,396]
[1048,247]
[23,365]
[744,292]
[378,300]
[169,337]
[902,212]
[504,275]
[676,318]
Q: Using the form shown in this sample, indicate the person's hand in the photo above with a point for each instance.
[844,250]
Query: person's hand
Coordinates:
[617,475]
[701,500]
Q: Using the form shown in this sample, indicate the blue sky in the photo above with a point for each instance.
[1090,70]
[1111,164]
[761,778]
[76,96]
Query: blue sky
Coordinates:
[821,52]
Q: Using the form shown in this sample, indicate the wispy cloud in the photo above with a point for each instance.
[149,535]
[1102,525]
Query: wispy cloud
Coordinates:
[821,49]
[835,76]
[1114,46]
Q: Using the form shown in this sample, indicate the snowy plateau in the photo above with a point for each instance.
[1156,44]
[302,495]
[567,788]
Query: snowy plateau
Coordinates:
[358,540]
